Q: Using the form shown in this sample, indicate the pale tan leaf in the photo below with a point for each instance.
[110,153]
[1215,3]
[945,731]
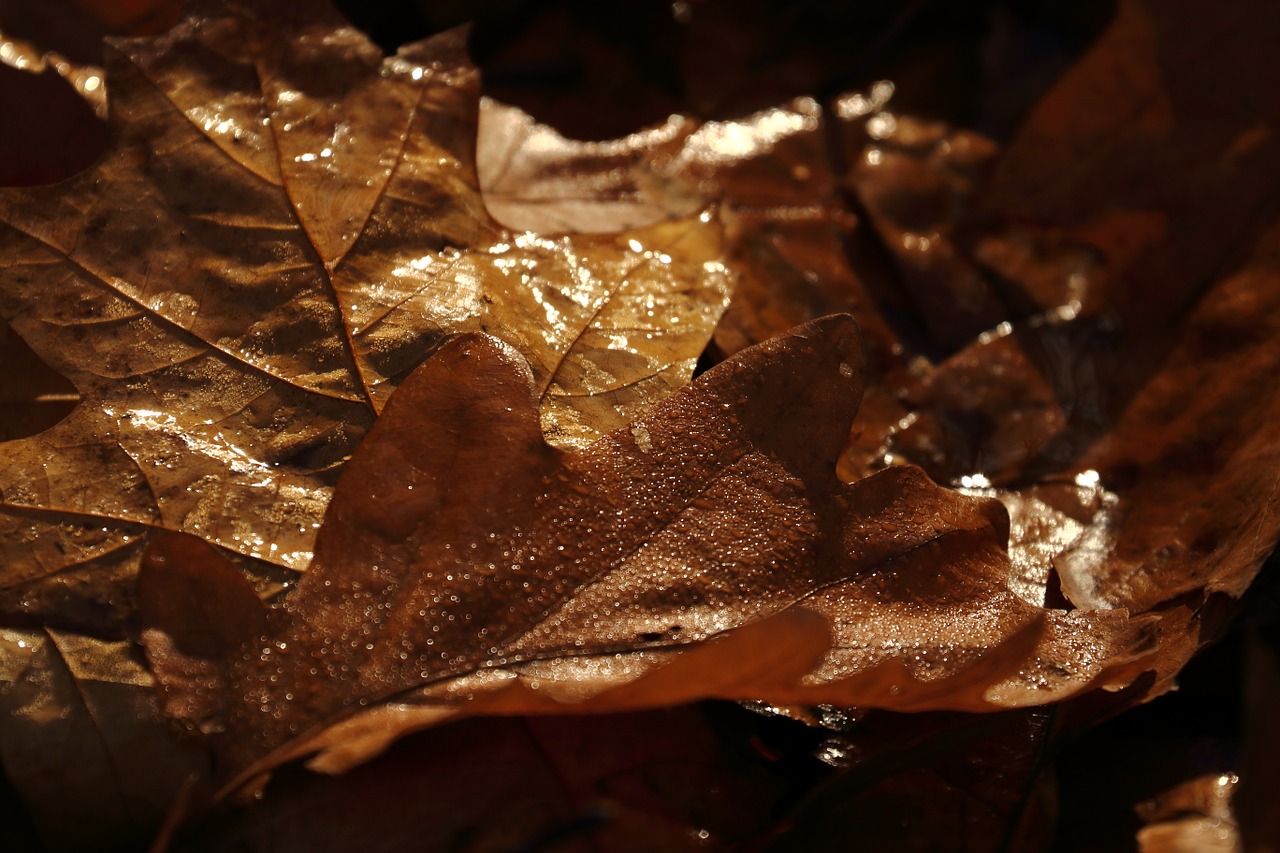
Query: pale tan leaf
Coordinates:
[286,226]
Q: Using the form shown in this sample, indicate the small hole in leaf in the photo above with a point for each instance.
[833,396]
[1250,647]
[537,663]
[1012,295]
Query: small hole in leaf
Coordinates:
[33,396]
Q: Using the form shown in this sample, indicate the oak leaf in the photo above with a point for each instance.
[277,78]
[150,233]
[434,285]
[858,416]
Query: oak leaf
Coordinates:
[1043,325]
[708,549]
[1118,401]
[286,225]
[1109,376]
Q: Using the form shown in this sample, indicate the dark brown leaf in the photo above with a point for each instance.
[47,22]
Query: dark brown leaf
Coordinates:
[703,551]
[914,179]
[218,610]
[1112,377]
[1153,380]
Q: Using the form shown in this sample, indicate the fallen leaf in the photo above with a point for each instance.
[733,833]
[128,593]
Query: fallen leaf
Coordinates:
[1151,379]
[286,225]
[1109,374]
[791,239]
[574,581]
[914,179]
[1139,369]
[536,179]
[769,173]
[1110,386]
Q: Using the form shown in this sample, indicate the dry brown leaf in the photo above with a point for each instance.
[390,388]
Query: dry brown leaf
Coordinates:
[286,225]
[706,550]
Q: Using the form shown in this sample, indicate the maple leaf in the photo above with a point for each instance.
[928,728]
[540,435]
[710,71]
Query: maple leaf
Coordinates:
[581,577]
[285,226]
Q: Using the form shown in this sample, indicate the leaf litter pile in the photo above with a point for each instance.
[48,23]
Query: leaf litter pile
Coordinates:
[352,421]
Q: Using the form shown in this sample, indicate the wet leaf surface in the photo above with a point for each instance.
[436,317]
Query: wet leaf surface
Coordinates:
[1079,324]
[1018,355]
[576,582]
[236,287]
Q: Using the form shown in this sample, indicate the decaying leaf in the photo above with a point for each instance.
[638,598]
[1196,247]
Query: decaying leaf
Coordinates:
[791,238]
[1070,324]
[286,225]
[1150,379]
[704,550]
